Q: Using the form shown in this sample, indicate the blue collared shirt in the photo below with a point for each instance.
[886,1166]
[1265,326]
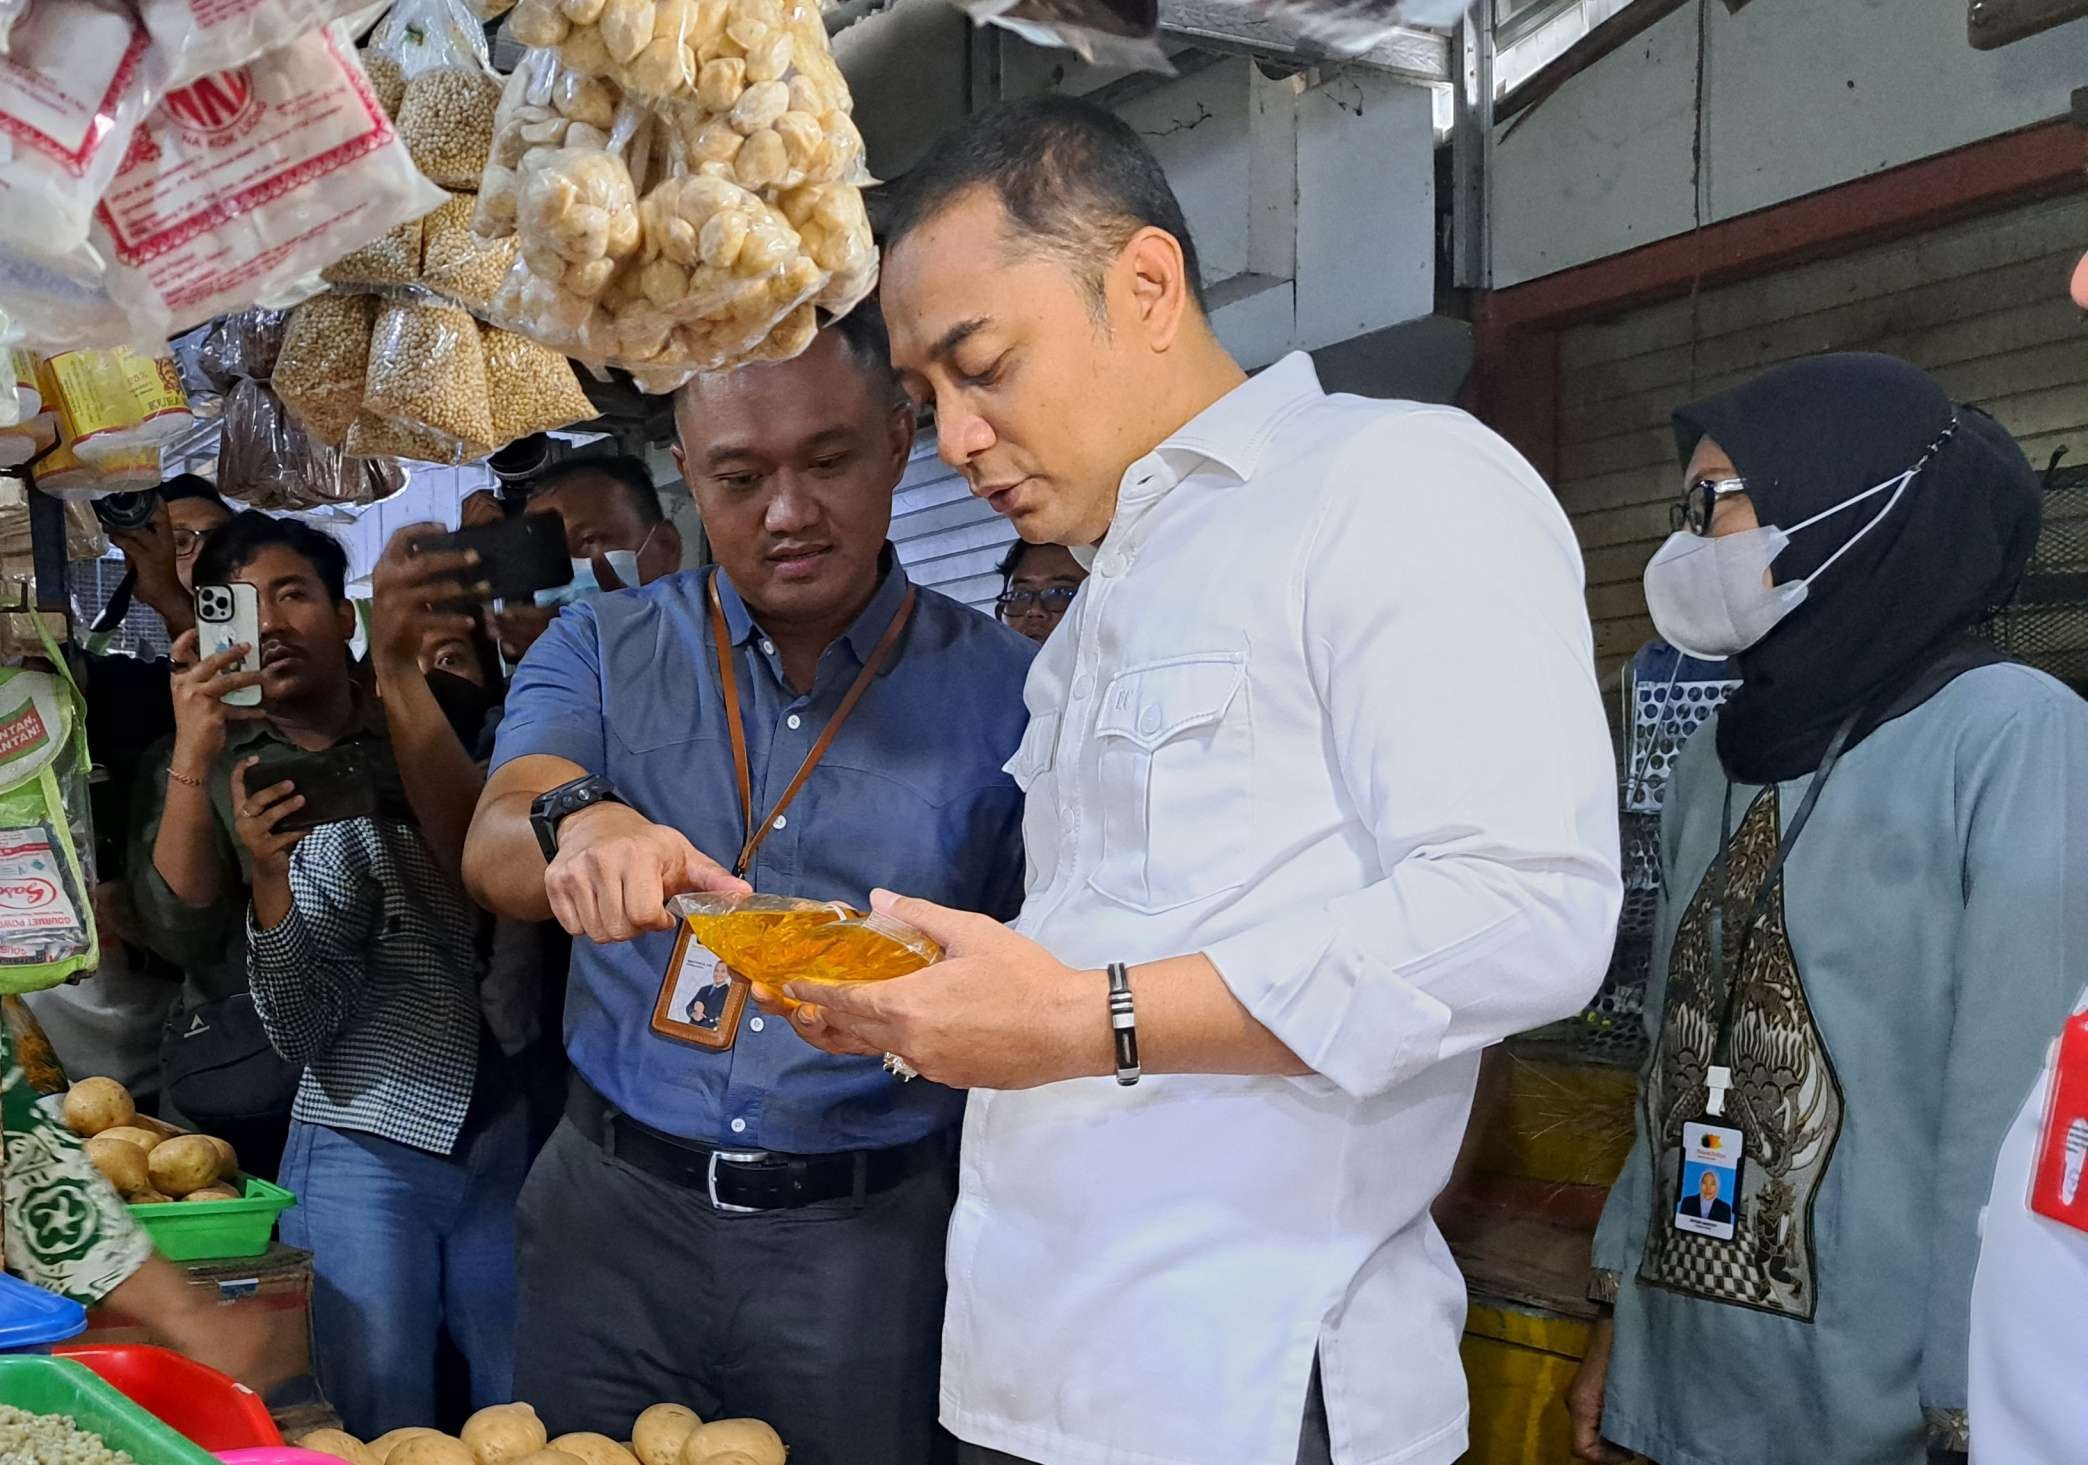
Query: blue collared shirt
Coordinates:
[911,796]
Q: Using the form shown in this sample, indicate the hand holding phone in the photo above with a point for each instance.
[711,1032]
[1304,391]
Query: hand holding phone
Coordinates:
[229,616]
[516,557]
[331,785]
[422,588]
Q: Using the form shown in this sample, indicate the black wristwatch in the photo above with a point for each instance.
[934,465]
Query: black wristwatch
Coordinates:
[565,801]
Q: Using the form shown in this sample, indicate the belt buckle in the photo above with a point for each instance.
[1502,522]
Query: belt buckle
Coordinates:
[710,1176]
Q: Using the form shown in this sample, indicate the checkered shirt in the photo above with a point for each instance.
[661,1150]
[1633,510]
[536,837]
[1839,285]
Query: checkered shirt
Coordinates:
[371,982]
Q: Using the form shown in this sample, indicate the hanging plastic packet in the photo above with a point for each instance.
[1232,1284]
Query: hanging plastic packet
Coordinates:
[199,37]
[428,372]
[65,304]
[10,12]
[325,358]
[46,834]
[24,440]
[116,402]
[242,185]
[450,92]
[1115,33]
[76,83]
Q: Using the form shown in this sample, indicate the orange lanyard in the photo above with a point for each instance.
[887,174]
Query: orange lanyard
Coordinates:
[721,637]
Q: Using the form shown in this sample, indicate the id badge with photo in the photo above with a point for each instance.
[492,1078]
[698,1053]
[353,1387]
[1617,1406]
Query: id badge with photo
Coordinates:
[1711,1160]
[2059,1184]
[701,1000]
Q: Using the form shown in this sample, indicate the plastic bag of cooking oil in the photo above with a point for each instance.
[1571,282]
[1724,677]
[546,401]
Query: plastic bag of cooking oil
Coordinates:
[773,939]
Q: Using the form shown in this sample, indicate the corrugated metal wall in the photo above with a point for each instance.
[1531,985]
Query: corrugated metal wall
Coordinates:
[947,539]
[1982,304]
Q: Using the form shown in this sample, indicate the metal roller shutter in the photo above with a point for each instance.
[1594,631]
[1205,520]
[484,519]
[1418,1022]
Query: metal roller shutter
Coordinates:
[947,539]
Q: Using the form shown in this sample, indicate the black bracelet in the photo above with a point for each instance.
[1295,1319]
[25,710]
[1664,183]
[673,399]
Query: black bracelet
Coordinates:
[1123,1022]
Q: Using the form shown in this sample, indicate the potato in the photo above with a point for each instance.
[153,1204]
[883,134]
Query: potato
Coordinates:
[661,1431]
[121,1163]
[146,1198]
[144,1139]
[731,1457]
[228,1158]
[593,1449]
[550,1457]
[95,1104]
[185,1164]
[384,1444]
[213,1192]
[339,1444]
[504,1433]
[723,1437]
[431,1449]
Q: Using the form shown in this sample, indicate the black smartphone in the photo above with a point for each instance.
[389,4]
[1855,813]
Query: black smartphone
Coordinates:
[335,782]
[517,557]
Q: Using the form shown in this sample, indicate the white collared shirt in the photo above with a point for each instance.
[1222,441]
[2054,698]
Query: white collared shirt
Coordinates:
[1326,712]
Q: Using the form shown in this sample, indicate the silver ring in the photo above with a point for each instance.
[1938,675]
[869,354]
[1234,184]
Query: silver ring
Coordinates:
[900,1069]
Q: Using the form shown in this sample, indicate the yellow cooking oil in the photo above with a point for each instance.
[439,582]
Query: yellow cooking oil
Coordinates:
[829,943]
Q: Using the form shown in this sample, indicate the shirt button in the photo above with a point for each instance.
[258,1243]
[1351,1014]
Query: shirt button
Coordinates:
[1149,720]
[782,821]
[1082,687]
[755,1024]
[739,1126]
[794,722]
[1108,563]
[768,648]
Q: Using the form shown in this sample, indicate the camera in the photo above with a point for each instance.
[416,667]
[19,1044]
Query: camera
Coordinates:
[126,511]
[213,603]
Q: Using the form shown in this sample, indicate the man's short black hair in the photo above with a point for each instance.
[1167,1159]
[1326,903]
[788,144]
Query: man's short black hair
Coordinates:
[233,545]
[188,486]
[1075,180]
[869,344]
[628,473]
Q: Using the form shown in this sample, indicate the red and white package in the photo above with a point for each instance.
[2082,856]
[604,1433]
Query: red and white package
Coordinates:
[198,37]
[245,181]
[77,80]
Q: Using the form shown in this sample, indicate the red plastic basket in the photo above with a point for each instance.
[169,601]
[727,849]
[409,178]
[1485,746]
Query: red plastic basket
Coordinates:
[188,1397]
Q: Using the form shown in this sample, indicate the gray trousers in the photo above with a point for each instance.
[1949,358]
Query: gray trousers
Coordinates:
[1313,1445]
[825,1320]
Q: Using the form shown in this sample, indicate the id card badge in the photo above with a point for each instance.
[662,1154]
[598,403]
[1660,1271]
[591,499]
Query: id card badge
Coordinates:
[1711,1160]
[2058,1186]
[701,1000]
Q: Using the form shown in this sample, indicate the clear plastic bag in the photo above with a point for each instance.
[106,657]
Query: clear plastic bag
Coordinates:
[451,92]
[10,12]
[195,38]
[60,305]
[325,359]
[320,174]
[773,939]
[111,403]
[269,462]
[77,82]
[530,387]
[428,373]
[456,262]
[393,260]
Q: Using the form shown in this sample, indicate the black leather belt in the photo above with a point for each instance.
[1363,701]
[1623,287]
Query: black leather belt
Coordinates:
[749,1180]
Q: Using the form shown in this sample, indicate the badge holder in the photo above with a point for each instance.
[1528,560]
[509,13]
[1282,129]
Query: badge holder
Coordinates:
[701,999]
[2059,1184]
[1709,1168]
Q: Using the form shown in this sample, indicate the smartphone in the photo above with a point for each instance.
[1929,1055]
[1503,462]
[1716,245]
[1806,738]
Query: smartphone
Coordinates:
[228,616]
[335,782]
[517,557]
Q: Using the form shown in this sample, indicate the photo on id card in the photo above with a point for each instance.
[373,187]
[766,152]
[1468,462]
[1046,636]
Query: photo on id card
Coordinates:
[1710,1193]
[700,999]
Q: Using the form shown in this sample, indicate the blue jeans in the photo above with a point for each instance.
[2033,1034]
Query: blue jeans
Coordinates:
[404,1244]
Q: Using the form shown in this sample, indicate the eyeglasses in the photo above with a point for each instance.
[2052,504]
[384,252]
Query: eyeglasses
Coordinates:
[1693,510]
[188,541]
[1052,600]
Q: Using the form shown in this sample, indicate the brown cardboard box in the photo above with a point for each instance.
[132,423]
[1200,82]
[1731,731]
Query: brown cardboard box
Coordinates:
[277,1284]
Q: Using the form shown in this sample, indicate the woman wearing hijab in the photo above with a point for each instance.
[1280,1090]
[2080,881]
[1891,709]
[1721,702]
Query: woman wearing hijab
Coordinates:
[1875,911]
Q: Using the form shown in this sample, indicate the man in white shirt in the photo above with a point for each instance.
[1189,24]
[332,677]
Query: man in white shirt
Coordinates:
[1317,755]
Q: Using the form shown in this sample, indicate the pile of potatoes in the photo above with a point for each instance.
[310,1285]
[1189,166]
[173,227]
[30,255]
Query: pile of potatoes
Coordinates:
[147,1166]
[511,1434]
[683,177]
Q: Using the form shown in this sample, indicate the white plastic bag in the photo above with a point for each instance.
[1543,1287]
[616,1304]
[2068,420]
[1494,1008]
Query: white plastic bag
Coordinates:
[198,37]
[450,91]
[243,184]
[77,81]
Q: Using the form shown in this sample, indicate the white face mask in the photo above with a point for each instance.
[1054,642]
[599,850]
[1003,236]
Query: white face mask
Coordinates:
[1711,598]
[584,586]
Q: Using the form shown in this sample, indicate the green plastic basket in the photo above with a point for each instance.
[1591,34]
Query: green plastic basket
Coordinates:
[208,1230]
[44,1385]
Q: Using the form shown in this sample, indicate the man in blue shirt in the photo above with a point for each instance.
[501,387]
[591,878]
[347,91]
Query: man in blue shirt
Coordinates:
[753,1230]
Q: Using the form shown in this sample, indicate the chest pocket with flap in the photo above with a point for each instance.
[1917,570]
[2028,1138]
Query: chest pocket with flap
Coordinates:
[1175,766]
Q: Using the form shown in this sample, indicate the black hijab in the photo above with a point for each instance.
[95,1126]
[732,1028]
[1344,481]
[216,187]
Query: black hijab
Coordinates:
[1887,625]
